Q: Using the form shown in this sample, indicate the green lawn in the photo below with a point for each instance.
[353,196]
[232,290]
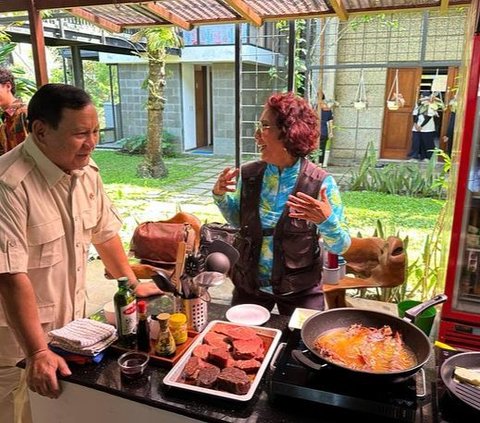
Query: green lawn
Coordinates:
[409,217]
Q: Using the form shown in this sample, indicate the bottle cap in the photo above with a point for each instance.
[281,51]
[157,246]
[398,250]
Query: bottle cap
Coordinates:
[178,319]
[163,317]
[142,306]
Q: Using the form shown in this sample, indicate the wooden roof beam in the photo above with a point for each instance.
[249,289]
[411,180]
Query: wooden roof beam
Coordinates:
[245,11]
[166,15]
[94,19]
[443,6]
[339,8]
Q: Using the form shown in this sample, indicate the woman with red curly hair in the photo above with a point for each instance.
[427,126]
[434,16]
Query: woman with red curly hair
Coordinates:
[282,204]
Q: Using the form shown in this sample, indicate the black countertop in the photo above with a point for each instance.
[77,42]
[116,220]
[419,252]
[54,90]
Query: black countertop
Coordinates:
[150,390]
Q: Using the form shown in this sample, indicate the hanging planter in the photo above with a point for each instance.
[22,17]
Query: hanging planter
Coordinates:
[395,100]
[360,102]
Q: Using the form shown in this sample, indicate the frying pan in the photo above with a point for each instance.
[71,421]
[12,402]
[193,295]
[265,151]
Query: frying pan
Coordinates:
[469,360]
[413,337]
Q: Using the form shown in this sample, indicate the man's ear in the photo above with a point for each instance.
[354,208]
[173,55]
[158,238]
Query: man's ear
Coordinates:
[40,130]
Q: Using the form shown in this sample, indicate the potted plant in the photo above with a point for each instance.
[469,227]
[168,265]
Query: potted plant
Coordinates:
[395,99]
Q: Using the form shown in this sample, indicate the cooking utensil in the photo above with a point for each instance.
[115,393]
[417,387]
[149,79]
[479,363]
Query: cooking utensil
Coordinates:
[164,283]
[179,265]
[412,336]
[466,393]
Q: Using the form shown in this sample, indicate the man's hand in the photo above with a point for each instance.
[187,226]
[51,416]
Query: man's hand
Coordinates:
[41,371]
[302,206]
[147,289]
[226,182]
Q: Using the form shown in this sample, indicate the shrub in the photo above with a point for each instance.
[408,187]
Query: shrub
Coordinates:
[137,144]
[401,179]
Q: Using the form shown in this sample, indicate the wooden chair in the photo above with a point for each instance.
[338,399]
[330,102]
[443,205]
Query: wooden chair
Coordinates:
[374,262]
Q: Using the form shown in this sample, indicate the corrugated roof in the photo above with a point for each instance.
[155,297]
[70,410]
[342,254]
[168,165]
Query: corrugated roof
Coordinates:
[116,15]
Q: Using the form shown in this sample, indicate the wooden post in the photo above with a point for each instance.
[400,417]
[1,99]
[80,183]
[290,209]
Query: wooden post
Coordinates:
[38,44]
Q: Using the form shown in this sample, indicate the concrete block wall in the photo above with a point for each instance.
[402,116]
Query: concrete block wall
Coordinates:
[373,42]
[223,106]
[133,99]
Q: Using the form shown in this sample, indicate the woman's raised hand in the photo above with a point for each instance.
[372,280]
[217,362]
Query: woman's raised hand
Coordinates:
[302,206]
[226,182]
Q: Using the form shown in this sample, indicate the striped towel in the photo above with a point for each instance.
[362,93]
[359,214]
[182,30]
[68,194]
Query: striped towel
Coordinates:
[91,351]
[83,333]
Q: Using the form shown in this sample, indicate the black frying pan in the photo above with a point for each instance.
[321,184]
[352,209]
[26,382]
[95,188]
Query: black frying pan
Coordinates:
[469,360]
[413,337]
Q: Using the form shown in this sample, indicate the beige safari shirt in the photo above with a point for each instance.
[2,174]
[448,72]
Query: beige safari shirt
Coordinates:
[48,219]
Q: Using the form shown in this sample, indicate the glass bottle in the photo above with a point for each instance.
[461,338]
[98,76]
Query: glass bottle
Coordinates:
[178,327]
[143,328]
[165,345]
[126,313]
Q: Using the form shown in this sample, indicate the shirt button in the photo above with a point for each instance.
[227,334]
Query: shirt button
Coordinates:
[76,219]
[77,245]
[78,269]
[12,243]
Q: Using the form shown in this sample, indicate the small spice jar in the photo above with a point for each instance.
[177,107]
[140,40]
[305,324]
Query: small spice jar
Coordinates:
[178,327]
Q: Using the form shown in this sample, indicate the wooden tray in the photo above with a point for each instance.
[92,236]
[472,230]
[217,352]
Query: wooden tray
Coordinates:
[163,361]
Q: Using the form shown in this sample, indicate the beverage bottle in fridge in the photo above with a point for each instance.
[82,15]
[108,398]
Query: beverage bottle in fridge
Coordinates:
[143,328]
[126,313]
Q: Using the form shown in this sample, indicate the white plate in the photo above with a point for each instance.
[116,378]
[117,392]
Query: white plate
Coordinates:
[248,314]
[299,316]
[173,377]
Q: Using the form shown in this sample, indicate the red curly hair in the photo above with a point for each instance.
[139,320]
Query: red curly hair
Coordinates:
[298,122]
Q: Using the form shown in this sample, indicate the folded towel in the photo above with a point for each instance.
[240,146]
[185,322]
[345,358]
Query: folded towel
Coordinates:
[83,333]
[91,350]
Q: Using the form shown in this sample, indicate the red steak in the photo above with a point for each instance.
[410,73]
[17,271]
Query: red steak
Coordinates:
[216,340]
[207,376]
[248,349]
[202,351]
[233,380]
[249,366]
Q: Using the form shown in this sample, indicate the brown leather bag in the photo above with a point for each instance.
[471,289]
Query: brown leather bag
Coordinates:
[157,242]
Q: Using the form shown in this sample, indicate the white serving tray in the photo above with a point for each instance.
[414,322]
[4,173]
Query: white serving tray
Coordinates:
[172,377]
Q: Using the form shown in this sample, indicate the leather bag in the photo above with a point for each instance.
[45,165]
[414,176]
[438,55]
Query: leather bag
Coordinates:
[157,242]
[210,232]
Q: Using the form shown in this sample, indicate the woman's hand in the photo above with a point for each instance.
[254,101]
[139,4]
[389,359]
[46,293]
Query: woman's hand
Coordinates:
[302,206]
[226,182]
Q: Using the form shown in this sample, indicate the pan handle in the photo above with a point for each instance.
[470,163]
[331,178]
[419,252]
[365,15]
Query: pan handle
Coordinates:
[280,348]
[302,358]
[413,312]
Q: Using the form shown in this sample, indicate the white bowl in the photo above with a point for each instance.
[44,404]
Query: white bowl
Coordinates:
[109,312]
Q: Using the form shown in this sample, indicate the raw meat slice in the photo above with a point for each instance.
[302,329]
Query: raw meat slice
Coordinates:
[233,380]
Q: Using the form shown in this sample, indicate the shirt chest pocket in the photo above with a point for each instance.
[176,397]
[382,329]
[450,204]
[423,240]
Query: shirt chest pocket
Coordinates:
[45,243]
[89,218]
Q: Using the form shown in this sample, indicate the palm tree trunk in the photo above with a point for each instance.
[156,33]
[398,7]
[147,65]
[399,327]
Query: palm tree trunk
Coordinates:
[153,165]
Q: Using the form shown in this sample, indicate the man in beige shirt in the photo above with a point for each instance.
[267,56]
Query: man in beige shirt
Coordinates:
[52,206]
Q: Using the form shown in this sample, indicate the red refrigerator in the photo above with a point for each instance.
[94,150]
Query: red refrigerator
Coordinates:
[460,317]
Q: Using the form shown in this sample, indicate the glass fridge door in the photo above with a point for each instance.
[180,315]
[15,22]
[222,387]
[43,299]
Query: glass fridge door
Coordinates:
[466,295]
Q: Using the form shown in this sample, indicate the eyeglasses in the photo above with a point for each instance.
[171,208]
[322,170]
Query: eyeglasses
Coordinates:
[260,126]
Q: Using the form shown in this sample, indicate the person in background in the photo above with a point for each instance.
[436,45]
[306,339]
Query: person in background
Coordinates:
[13,126]
[448,138]
[52,206]
[282,204]
[423,131]
[326,127]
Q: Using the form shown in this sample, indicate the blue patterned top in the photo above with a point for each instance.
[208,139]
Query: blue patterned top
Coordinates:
[276,188]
